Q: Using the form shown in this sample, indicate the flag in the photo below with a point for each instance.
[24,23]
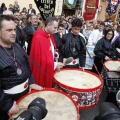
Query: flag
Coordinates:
[112,7]
[70,3]
[58,7]
[46,8]
[91,7]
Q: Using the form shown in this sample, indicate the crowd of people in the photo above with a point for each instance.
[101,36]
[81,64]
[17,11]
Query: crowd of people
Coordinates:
[48,43]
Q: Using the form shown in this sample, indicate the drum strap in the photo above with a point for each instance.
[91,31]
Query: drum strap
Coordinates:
[91,58]
[29,58]
[114,39]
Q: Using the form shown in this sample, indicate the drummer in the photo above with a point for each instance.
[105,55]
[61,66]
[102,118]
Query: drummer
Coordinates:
[15,77]
[103,51]
[74,46]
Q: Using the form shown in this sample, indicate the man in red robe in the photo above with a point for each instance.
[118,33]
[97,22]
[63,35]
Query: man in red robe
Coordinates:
[42,52]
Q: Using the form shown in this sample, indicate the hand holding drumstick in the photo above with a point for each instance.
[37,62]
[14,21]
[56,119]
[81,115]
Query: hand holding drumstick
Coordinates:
[35,87]
[14,109]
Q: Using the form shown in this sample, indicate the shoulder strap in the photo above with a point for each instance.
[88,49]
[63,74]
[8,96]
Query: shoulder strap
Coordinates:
[114,39]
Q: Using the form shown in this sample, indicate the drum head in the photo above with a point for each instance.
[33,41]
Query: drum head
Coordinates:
[76,79]
[59,105]
[112,65]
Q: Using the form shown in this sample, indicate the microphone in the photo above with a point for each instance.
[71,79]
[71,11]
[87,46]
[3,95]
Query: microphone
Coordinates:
[68,60]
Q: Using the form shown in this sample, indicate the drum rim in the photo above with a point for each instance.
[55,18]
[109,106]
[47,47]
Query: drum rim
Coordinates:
[105,67]
[54,90]
[79,89]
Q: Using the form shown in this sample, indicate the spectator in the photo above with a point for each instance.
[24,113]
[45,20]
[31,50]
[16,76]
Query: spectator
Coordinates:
[30,29]
[3,8]
[11,8]
[31,10]
[16,6]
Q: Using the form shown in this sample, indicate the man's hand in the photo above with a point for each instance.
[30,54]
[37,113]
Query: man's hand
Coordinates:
[59,65]
[14,109]
[35,87]
[107,58]
[61,34]
[82,68]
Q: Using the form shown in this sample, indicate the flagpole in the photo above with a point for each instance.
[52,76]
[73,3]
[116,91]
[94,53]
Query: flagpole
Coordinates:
[83,8]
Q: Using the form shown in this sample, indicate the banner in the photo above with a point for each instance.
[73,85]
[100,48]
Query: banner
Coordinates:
[58,7]
[46,8]
[91,7]
[70,3]
[112,7]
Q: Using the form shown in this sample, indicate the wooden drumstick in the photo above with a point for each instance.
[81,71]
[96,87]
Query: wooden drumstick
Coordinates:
[22,107]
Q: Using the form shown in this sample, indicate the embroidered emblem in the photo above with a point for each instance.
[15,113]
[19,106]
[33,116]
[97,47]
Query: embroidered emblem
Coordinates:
[26,85]
[74,62]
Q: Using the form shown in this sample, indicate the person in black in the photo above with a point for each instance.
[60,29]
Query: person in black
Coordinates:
[58,38]
[73,45]
[15,76]
[104,50]
[30,29]
[20,35]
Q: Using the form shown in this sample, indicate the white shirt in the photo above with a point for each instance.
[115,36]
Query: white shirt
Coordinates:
[94,37]
[53,52]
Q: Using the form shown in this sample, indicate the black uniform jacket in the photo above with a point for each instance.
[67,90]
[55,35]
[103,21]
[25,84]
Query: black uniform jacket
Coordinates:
[104,48]
[9,77]
[74,46]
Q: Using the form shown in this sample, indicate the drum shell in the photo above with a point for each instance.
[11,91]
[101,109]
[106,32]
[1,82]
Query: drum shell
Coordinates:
[111,81]
[85,98]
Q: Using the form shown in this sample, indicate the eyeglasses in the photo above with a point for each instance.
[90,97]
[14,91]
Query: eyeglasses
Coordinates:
[110,33]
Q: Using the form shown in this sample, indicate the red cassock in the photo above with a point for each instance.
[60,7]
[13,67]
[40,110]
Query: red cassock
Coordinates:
[41,53]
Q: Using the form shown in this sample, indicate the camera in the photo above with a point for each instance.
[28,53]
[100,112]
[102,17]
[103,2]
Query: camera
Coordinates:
[36,111]
[108,111]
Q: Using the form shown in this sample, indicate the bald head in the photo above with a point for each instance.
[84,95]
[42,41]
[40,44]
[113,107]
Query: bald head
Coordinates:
[7,12]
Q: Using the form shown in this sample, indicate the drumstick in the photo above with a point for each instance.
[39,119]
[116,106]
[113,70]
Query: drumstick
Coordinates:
[22,107]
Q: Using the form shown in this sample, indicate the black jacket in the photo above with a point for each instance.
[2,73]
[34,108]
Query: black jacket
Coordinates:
[9,78]
[69,42]
[32,11]
[29,31]
[20,37]
[104,48]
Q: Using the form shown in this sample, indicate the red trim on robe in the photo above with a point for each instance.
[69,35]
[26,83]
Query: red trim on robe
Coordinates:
[41,53]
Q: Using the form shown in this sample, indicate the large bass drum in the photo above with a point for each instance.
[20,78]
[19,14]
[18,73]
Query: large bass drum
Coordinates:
[111,76]
[59,105]
[84,86]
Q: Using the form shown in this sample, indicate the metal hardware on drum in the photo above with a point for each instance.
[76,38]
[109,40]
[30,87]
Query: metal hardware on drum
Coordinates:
[111,80]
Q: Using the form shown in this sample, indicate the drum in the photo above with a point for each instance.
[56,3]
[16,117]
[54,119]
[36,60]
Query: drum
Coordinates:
[111,76]
[84,86]
[59,105]
[112,65]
